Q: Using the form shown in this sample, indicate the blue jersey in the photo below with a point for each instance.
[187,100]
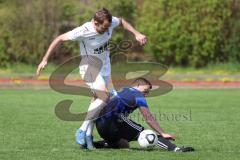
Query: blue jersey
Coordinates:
[125,102]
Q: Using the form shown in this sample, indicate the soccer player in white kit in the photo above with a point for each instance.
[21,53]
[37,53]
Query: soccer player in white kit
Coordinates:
[93,38]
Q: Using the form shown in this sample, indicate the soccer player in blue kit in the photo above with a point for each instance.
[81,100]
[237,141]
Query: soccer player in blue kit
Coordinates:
[114,126]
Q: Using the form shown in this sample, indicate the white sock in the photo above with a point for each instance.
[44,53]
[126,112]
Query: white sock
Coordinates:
[85,125]
[94,109]
[90,129]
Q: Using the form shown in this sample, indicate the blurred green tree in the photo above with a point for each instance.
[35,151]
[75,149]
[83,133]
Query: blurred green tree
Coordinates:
[180,32]
[188,32]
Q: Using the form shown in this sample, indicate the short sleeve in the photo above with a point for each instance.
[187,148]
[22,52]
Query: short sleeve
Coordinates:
[76,33]
[115,22]
[141,102]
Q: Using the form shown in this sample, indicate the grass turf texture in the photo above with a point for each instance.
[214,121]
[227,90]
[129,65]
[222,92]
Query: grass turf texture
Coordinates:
[29,128]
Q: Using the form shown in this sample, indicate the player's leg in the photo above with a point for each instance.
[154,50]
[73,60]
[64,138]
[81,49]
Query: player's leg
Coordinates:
[108,130]
[117,132]
[90,125]
[86,123]
[130,131]
[106,81]
[166,144]
[100,144]
[101,95]
[122,143]
[83,130]
[99,88]
[93,112]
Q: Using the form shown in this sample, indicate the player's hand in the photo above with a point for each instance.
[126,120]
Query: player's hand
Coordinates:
[168,136]
[41,66]
[142,39]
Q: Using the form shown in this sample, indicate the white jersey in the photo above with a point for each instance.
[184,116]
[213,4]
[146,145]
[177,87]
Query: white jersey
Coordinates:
[95,44]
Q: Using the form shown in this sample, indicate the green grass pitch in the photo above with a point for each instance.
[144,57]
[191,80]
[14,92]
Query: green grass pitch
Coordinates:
[208,120]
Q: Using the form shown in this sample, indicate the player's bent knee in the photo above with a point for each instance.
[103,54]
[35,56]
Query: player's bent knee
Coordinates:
[103,95]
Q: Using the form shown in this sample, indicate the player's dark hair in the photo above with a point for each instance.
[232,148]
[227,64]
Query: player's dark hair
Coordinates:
[103,14]
[141,81]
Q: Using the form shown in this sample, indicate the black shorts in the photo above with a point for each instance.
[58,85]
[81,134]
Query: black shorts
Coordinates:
[114,128]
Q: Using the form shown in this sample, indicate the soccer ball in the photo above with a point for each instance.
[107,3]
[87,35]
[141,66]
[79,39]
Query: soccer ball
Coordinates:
[147,139]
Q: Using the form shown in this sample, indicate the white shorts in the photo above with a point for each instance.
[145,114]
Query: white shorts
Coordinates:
[100,81]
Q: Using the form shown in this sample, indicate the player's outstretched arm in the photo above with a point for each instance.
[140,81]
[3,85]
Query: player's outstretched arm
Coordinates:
[142,39]
[56,42]
[151,121]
